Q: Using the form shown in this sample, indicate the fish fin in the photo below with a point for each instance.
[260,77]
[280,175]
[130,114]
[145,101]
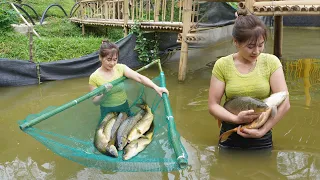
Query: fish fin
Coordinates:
[136,145]
[219,123]
[224,136]
[274,111]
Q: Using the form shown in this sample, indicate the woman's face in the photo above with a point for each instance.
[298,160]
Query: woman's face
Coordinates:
[109,61]
[250,50]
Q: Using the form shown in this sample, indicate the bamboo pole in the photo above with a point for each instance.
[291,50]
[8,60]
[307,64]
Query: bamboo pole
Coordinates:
[149,10]
[137,9]
[157,10]
[30,44]
[278,36]
[163,9]
[126,17]
[132,9]
[312,8]
[295,8]
[174,137]
[82,29]
[172,10]
[305,9]
[198,11]
[180,5]
[70,104]
[141,9]
[283,3]
[287,13]
[187,8]
[249,5]
[104,10]
[113,10]
[24,20]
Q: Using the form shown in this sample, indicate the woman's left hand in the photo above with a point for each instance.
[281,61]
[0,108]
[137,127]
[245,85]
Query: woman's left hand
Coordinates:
[250,133]
[161,90]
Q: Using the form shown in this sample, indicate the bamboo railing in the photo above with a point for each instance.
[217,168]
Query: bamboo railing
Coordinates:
[152,14]
[282,8]
[182,16]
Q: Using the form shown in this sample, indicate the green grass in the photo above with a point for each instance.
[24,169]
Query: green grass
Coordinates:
[46,49]
[59,39]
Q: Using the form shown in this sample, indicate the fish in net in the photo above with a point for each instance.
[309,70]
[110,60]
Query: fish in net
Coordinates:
[69,131]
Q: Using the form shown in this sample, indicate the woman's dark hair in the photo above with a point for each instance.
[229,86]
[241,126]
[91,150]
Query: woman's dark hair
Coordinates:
[108,47]
[248,27]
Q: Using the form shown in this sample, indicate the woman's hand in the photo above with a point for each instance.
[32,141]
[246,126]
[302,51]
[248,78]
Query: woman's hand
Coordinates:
[245,117]
[161,90]
[250,133]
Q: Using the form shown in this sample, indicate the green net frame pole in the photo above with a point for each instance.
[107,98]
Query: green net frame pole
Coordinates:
[175,138]
[96,91]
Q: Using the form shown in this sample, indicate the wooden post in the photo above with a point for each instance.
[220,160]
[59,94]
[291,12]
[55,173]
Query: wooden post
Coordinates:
[278,36]
[172,11]
[83,30]
[126,17]
[186,19]
[30,43]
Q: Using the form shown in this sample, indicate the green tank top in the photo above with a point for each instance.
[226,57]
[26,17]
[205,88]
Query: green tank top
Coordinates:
[254,84]
[117,95]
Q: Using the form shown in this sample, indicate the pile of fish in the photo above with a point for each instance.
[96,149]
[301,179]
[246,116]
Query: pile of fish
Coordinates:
[119,132]
[268,107]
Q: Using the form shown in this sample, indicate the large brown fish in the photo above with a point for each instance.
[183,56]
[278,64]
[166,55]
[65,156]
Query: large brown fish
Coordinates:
[125,128]
[103,136]
[238,104]
[143,125]
[138,145]
[272,102]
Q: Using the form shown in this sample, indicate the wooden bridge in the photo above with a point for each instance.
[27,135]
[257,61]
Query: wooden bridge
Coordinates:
[181,16]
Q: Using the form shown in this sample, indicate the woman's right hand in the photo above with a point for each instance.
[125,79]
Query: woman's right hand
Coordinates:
[245,117]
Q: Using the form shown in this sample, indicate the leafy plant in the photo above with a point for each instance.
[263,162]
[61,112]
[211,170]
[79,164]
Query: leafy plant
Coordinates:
[147,48]
[7,16]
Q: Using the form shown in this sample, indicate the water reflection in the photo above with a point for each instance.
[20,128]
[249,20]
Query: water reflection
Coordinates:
[29,169]
[296,137]
[298,165]
[306,69]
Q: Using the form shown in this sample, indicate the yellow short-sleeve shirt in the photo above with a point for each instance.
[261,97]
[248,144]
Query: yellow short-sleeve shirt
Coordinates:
[117,95]
[254,84]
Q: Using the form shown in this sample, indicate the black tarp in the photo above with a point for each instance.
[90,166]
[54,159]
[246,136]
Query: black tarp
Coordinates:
[17,73]
[304,21]
[84,66]
[22,72]
[215,14]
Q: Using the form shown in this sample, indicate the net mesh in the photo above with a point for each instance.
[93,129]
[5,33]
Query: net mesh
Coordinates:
[70,134]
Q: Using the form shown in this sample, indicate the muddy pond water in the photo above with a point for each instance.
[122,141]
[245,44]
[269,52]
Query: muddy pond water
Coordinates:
[296,137]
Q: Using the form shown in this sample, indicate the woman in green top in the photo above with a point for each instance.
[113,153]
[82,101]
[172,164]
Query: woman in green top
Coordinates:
[248,72]
[116,99]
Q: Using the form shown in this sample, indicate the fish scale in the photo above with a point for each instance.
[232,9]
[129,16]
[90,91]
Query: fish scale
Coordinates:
[273,101]
[125,128]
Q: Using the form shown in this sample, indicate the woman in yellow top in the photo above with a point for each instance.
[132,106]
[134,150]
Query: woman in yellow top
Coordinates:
[248,72]
[116,99]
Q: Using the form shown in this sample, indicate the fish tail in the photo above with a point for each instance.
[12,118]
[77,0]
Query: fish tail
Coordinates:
[224,136]
[274,111]
[219,123]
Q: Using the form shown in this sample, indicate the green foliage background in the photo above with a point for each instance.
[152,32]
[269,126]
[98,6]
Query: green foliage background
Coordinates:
[59,38]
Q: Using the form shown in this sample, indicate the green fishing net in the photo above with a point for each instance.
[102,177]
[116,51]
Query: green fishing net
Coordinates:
[70,133]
